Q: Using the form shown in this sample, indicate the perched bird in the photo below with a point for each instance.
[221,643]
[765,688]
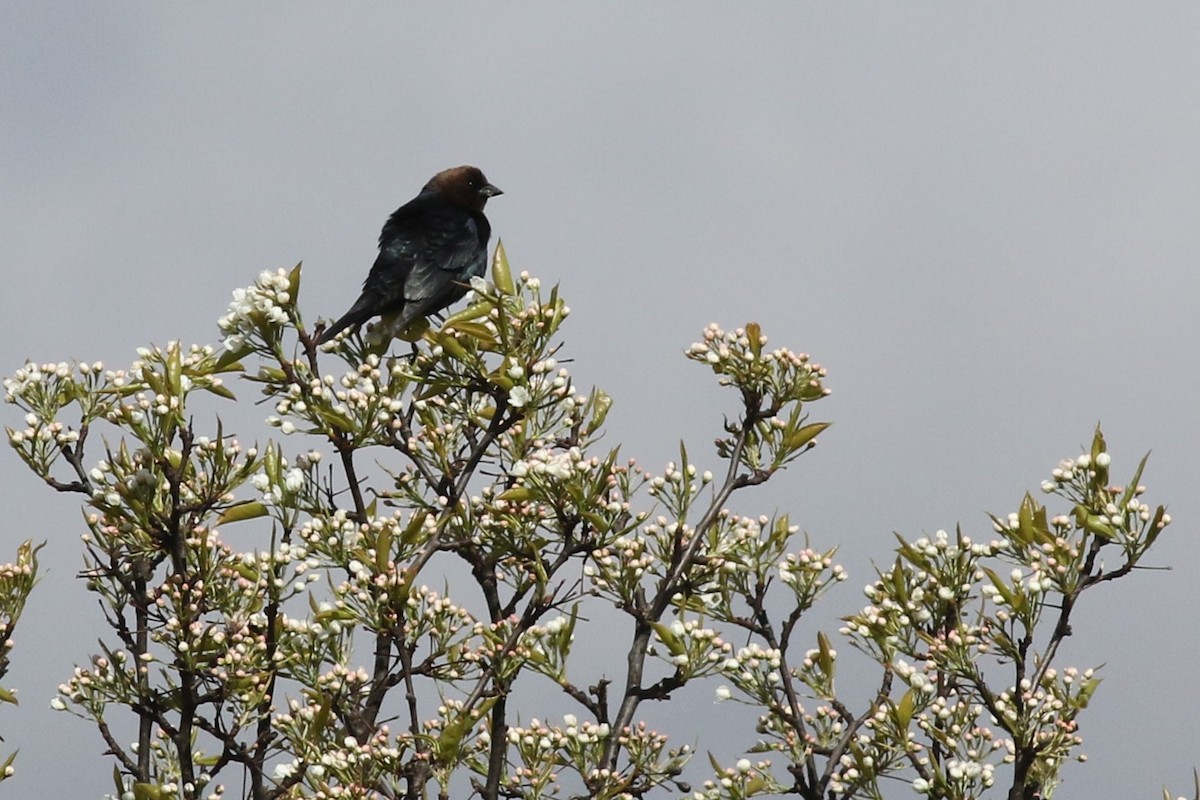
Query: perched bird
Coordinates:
[429,250]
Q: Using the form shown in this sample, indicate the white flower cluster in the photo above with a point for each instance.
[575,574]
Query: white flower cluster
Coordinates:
[90,687]
[42,432]
[1044,704]
[620,563]
[697,648]
[137,409]
[1069,471]
[736,781]
[1039,580]
[42,390]
[916,678]
[741,357]
[341,763]
[534,638]
[428,613]
[137,474]
[275,493]
[1069,468]
[946,573]
[33,375]
[9,572]
[672,481]
[549,737]
[544,381]
[797,568]
[963,775]
[720,345]
[555,464]
[755,670]
[265,302]
[940,546]
[304,565]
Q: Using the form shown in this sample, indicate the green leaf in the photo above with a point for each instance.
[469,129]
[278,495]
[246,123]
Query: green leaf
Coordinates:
[251,509]
[153,380]
[781,531]
[294,283]
[668,637]
[147,791]
[174,369]
[432,389]
[222,391]
[597,522]
[273,463]
[501,274]
[415,523]
[1093,523]
[334,419]
[1098,444]
[383,549]
[825,656]
[319,720]
[1131,488]
[806,434]
[498,378]
[1155,527]
[567,634]
[473,311]
[334,614]
[452,345]
[1086,691]
[480,333]
[1025,518]
[1002,587]
[599,403]
[267,374]
[905,709]
[450,739]
[231,360]
[754,334]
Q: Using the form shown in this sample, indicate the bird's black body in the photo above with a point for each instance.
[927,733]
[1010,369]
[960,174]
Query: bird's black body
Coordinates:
[429,250]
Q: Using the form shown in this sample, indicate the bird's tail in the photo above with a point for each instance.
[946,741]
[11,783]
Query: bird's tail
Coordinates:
[360,312]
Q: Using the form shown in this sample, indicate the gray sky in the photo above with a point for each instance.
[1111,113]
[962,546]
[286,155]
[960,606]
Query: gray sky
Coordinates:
[982,220]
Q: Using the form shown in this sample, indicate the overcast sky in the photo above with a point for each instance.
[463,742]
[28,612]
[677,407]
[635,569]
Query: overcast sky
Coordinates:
[983,220]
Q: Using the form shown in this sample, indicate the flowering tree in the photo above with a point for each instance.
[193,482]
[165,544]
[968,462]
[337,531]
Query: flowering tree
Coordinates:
[326,663]
[16,582]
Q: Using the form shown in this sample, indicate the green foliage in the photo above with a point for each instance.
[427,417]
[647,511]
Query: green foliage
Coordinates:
[324,663]
[17,580]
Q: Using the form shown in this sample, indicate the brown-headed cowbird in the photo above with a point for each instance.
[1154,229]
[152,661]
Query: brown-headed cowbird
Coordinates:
[429,250]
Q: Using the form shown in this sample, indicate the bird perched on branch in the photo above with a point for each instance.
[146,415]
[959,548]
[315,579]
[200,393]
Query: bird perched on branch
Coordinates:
[429,250]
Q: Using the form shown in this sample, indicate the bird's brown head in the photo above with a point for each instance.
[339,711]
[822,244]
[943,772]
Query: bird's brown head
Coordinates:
[465,187]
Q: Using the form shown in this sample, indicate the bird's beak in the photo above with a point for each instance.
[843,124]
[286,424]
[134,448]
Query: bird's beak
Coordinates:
[490,191]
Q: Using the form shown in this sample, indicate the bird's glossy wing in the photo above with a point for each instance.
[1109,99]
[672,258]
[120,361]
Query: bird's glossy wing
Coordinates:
[452,252]
[428,250]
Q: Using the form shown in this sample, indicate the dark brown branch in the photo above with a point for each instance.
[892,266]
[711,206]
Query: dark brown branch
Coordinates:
[668,587]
